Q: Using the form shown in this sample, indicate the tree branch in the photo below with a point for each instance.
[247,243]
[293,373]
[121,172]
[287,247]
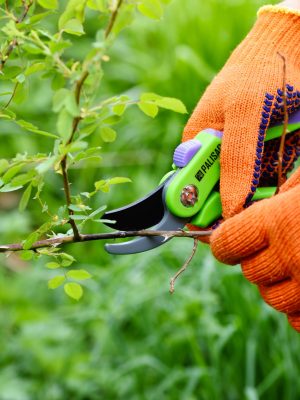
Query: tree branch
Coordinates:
[57,241]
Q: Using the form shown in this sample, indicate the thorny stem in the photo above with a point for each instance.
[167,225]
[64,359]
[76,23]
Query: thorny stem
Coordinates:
[285,126]
[103,236]
[184,267]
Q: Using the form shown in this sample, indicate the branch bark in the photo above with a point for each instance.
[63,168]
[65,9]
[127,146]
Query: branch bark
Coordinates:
[53,242]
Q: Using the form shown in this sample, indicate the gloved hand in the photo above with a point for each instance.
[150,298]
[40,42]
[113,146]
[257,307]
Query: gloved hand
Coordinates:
[244,98]
[265,239]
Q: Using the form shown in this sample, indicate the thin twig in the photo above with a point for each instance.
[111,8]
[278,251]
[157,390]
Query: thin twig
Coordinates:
[68,197]
[104,236]
[285,128]
[184,267]
[112,20]
[25,11]
[12,95]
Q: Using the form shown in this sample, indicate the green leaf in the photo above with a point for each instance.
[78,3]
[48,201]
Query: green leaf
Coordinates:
[169,103]
[74,9]
[49,4]
[79,274]
[56,282]
[73,290]
[36,67]
[59,99]
[71,105]
[32,128]
[102,185]
[67,259]
[53,265]
[22,179]
[10,72]
[119,109]
[45,165]
[149,109]
[38,17]
[20,78]
[4,164]
[32,238]
[64,124]
[74,27]
[26,255]
[172,104]
[25,198]
[11,172]
[119,179]
[151,9]
[78,217]
[9,188]
[108,134]
[58,81]
[99,5]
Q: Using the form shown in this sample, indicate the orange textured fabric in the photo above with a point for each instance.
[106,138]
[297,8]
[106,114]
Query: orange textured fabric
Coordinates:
[245,97]
[265,239]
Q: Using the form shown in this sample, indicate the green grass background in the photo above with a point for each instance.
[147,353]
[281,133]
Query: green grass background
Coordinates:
[128,338]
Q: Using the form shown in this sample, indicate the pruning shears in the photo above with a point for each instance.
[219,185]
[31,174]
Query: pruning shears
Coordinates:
[187,194]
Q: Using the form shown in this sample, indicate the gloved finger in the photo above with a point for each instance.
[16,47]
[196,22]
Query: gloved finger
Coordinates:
[246,122]
[239,237]
[265,267]
[293,181]
[283,296]
[294,320]
[207,114]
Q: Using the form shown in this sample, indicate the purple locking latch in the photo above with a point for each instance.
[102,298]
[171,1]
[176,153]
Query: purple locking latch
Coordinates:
[186,151]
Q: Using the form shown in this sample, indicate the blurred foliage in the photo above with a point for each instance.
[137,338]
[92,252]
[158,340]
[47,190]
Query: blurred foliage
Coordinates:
[128,338]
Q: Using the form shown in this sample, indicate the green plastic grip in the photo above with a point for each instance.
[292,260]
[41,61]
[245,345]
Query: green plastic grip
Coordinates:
[212,209]
[202,172]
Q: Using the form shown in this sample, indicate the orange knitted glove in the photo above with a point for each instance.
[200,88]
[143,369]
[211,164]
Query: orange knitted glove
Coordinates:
[265,239]
[242,101]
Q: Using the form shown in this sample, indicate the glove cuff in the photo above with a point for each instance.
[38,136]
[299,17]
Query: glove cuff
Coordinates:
[278,10]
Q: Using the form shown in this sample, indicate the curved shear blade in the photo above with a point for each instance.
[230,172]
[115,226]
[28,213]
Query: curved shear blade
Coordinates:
[168,223]
[141,214]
